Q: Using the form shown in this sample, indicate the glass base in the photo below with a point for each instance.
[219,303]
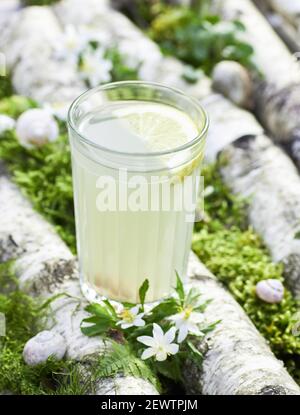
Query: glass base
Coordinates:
[93,296]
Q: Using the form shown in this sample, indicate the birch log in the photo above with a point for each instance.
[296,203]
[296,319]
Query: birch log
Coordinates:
[45,267]
[278,94]
[217,363]
[238,360]
[44,264]
[286,26]
[257,169]
[228,123]
[277,226]
[29,43]
[289,10]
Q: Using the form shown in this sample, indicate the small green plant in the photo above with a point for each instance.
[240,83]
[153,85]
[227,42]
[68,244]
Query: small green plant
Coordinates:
[200,41]
[170,331]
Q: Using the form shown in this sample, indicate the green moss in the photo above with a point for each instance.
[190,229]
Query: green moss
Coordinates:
[38,2]
[6,88]
[44,175]
[23,315]
[237,256]
[224,242]
[15,105]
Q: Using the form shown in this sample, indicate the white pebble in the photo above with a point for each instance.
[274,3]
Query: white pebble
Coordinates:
[270,291]
[233,80]
[6,123]
[43,345]
[36,127]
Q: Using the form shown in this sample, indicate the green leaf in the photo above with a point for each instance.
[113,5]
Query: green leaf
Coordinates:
[195,351]
[297,235]
[170,368]
[102,319]
[143,291]
[121,359]
[180,289]
[110,308]
[99,327]
[97,309]
[165,309]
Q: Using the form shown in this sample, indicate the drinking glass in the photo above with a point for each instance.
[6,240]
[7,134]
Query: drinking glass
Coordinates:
[125,233]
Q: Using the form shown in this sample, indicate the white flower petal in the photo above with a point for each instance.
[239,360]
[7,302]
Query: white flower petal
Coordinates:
[170,335]
[183,332]
[158,333]
[134,310]
[138,322]
[126,325]
[161,355]
[147,340]
[148,353]
[172,348]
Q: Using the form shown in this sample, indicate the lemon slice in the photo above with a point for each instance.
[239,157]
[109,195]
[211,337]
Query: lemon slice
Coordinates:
[160,127]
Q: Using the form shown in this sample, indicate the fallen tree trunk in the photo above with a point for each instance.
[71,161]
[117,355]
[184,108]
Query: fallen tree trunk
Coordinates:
[277,96]
[46,268]
[217,363]
[289,9]
[29,43]
[281,23]
[257,169]
[238,360]
[44,264]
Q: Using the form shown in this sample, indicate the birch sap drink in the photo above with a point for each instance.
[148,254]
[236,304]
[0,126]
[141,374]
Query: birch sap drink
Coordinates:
[136,153]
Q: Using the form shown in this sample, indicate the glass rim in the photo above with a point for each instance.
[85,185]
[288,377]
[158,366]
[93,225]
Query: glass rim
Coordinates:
[110,85]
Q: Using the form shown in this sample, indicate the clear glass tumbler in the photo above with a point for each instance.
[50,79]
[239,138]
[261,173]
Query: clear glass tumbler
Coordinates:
[134,202]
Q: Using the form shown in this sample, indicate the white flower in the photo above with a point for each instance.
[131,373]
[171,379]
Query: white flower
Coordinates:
[131,318]
[99,36]
[58,109]
[160,345]
[94,68]
[187,321]
[71,44]
[6,123]
[36,127]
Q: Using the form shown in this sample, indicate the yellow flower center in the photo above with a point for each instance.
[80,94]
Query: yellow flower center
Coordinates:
[187,312]
[127,316]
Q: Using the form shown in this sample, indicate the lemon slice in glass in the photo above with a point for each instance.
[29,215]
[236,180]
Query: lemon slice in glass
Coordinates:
[161,128]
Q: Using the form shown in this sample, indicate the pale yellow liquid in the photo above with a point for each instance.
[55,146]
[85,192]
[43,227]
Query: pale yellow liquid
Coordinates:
[119,250]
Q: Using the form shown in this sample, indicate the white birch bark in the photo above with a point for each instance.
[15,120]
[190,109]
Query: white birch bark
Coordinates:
[260,171]
[126,36]
[283,25]
[278,94]
[238,360]
[29,43]
[54,270]
[45,267]
[289,9]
